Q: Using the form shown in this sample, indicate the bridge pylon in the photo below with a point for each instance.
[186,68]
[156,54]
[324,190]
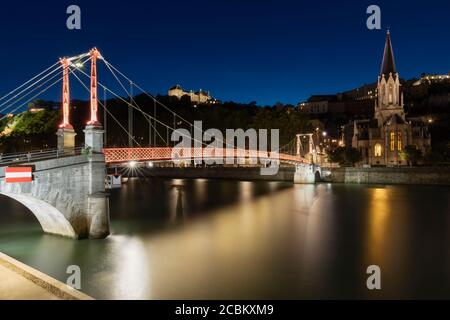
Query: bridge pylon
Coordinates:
[66,134]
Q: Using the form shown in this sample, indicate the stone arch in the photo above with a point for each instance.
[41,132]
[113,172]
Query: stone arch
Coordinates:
[317,176]
[51,219]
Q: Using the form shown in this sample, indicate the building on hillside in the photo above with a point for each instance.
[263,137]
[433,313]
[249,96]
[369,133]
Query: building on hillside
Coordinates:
[382,138]
[317,104]
[366,92]
[432,78]
[322,104]
[357,103]
[34,108]
[198,97]
[428,91]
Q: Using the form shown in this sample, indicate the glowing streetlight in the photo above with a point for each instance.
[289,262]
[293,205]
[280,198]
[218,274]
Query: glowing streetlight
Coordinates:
[132,164]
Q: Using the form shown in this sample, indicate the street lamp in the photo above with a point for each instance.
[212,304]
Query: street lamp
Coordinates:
[132,164]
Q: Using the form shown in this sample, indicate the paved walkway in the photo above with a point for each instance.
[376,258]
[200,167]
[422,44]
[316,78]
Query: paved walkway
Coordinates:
[21,282]
[13,286]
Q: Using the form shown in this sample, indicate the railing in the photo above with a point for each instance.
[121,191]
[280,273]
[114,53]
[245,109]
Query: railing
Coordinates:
[33,156]
[118,155]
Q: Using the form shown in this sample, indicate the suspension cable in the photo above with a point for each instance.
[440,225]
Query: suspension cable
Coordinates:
[104,107]
[30,86]
[110,66]
[37,95]
[130,95]
[145,92]
[24,84]
[133,106]
[192,126]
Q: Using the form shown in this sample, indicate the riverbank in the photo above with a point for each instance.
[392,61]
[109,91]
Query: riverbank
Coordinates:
[406,175]
[21,282]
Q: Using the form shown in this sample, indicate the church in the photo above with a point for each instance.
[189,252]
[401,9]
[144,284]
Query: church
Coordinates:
[381,140]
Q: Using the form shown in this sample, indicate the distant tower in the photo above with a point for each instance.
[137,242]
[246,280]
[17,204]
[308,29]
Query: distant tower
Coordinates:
[390,97]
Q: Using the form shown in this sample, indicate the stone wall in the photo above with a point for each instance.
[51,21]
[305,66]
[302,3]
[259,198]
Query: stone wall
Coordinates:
[66,196]
[419,175]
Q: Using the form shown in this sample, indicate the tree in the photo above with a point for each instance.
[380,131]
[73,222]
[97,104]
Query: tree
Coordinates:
[345,156]
[337,155]
[411,155]
[352,155]
[433,158]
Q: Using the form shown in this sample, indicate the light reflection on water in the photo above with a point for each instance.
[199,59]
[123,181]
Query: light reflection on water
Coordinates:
[191,239]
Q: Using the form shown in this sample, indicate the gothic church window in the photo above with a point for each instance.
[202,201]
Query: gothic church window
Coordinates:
[392,141]
[377,150]
[390,94]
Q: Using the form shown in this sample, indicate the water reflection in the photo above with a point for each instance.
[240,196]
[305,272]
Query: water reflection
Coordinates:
[378,224]
[131,278]
[177,211]
[251,240]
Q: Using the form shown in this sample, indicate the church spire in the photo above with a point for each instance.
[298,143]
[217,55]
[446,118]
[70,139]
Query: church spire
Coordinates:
[388,65]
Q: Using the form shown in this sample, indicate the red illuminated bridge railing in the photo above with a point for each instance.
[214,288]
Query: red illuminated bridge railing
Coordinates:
[119,155]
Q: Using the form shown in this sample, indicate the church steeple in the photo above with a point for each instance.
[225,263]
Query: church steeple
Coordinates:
[388,65]
[390,97]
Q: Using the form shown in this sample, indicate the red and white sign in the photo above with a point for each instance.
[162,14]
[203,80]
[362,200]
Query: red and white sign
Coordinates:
[18,174]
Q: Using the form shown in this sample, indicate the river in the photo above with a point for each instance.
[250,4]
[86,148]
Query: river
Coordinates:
[221,239]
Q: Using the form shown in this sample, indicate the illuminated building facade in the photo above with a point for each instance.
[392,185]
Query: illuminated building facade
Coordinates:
[382,139]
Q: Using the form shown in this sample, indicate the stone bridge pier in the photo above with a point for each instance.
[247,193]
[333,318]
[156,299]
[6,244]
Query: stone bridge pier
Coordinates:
[67,195]
[307,173]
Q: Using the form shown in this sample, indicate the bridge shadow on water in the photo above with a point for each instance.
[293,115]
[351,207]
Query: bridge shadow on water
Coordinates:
[160,204]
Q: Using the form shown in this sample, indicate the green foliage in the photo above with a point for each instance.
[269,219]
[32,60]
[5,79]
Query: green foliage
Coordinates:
[345,156]
[27,123]
[87,151]
[29,131]
[3,124]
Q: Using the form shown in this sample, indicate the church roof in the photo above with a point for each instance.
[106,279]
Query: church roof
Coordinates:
[388,65]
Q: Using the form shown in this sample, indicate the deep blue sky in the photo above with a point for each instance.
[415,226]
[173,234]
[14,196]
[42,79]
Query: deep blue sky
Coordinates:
[263,50]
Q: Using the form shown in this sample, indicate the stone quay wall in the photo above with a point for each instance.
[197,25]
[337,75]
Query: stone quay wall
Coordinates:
[415,175]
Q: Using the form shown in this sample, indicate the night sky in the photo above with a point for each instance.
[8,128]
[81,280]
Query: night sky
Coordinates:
[264,51]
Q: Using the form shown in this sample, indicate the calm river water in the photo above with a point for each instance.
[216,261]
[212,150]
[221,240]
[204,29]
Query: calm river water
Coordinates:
[219,239]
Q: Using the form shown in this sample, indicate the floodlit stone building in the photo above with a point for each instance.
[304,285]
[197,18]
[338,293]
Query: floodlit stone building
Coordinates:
[199,97]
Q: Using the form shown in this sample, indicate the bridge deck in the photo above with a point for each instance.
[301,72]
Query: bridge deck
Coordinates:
[118,155]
